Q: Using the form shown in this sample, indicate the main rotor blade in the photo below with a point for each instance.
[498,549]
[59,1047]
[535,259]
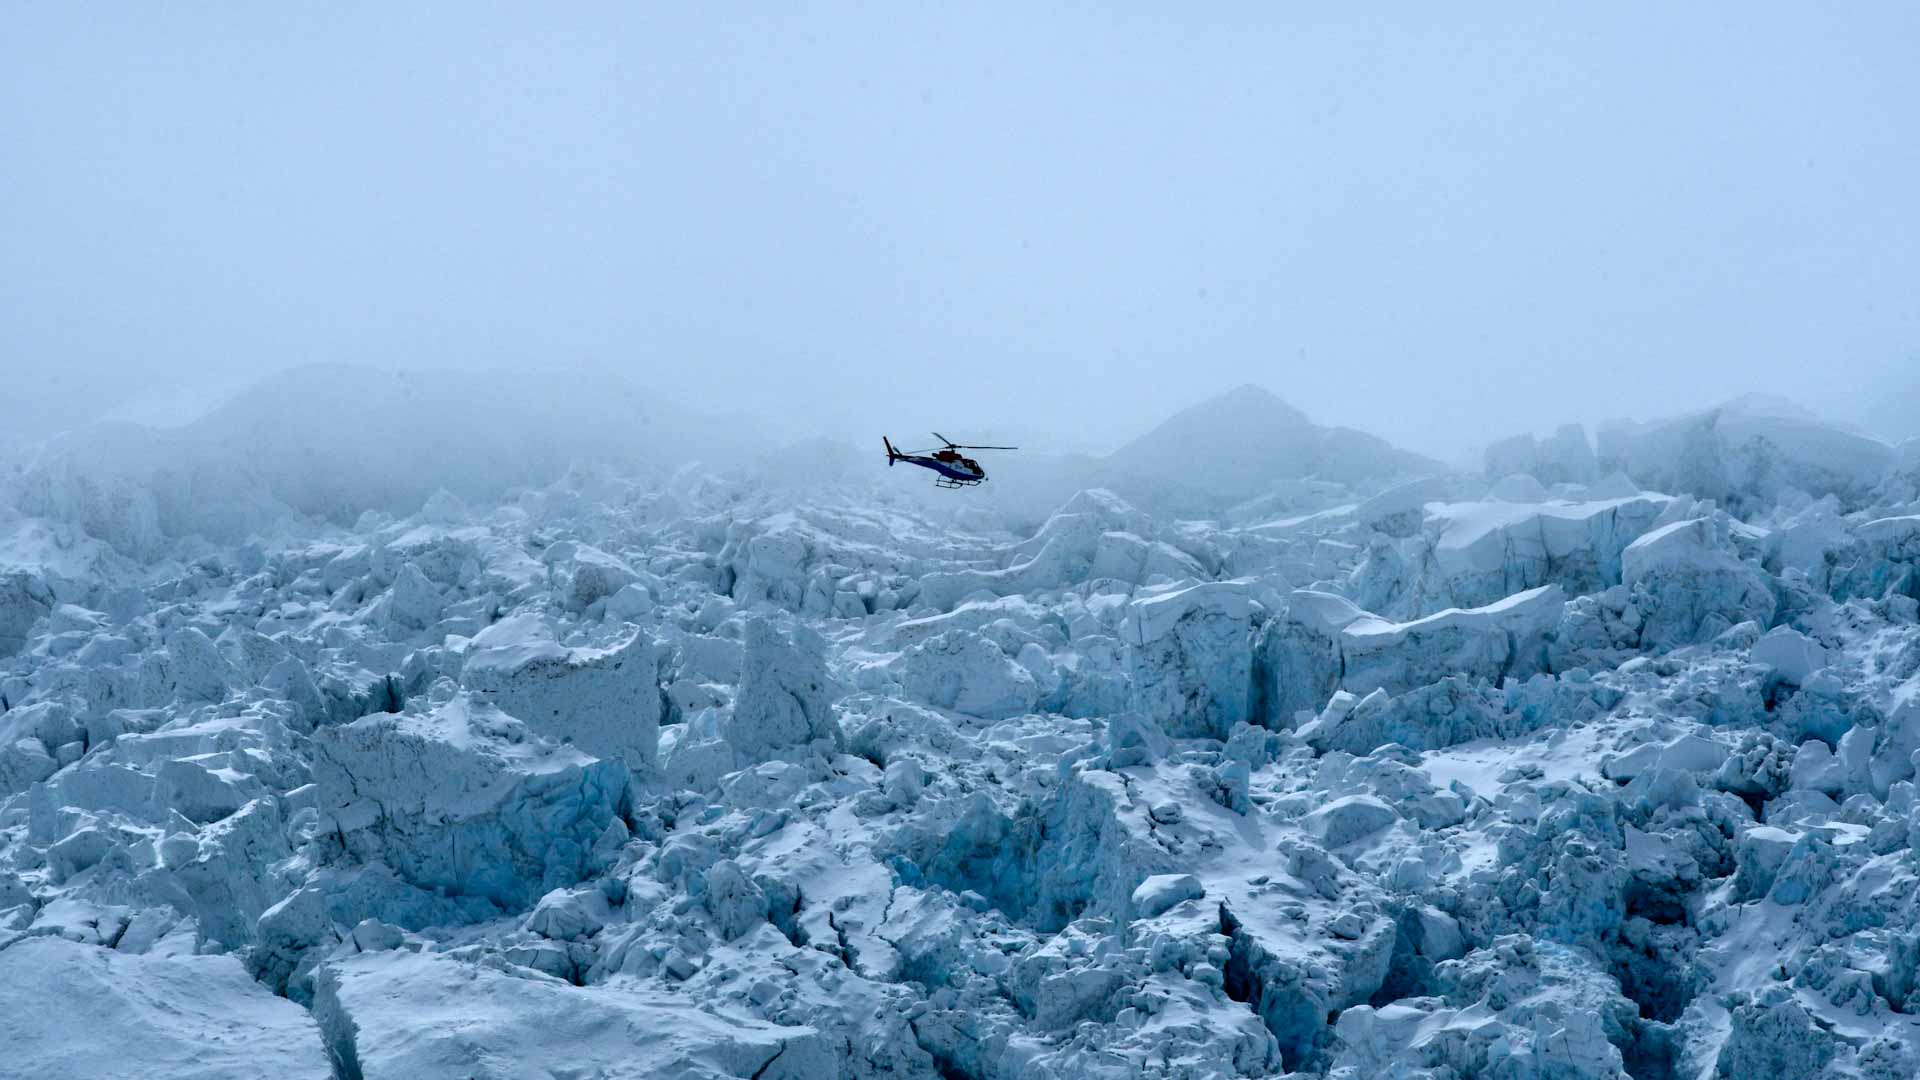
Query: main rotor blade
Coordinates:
[951,445]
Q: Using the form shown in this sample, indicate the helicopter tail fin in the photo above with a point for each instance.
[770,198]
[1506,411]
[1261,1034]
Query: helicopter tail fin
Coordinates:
[892,454]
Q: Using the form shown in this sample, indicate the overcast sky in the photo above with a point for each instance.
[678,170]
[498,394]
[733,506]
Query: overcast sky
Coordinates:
[1438,222]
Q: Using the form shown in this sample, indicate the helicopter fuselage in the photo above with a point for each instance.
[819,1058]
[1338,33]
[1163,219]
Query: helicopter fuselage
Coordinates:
[951,466]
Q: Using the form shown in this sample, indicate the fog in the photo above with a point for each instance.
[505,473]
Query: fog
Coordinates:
[1440,224]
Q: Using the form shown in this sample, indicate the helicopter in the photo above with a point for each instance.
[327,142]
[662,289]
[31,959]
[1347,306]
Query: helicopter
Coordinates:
[955,469]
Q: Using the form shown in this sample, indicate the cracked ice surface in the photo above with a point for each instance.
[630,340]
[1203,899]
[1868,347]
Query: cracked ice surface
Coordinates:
[1532,775]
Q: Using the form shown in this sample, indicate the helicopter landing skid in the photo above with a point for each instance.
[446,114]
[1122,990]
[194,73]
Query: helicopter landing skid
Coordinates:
[949,482]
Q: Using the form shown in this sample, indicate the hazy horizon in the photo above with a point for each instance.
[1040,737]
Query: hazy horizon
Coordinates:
[1441,228]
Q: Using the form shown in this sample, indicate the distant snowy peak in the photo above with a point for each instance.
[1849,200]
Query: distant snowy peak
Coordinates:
[1750,451]
[334,440]
[1248,404]
[321,402]
[1774,407]
[1745,409]
[1761,406]
[1246,441]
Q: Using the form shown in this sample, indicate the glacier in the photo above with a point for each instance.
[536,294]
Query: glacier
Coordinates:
[1598,762]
